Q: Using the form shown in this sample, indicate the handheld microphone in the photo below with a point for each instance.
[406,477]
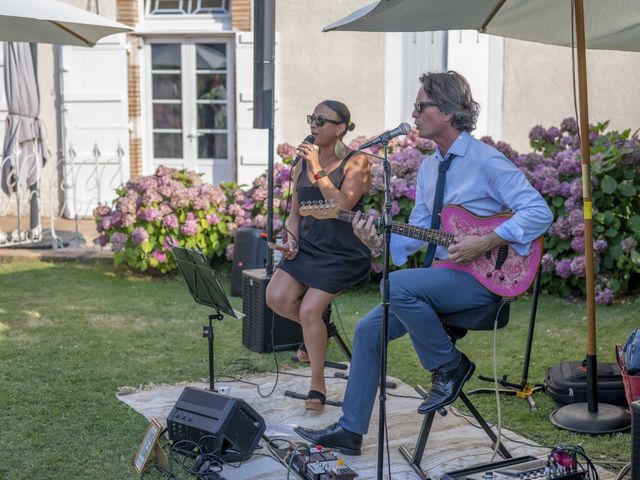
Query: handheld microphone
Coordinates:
[402,129]
[309,139]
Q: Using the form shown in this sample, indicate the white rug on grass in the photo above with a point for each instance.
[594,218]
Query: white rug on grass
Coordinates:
[453,444]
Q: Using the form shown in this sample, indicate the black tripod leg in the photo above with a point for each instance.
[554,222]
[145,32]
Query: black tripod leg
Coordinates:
[341,345]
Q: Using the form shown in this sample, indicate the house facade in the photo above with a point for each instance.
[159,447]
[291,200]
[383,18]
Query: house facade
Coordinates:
[178,91]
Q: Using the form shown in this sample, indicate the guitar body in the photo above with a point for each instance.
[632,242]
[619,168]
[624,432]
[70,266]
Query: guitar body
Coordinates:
[501,271]
[514,274]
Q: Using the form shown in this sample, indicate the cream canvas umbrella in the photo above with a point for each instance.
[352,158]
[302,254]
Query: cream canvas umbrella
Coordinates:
[51,21]
[597,24]
[38,21]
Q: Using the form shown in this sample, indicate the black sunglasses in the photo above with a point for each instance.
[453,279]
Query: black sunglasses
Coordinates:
[320,121]
[420,106]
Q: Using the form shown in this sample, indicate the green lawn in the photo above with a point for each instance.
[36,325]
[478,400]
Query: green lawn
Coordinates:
[71,334]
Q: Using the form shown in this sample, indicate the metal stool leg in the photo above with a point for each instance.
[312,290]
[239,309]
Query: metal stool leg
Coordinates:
[414,456]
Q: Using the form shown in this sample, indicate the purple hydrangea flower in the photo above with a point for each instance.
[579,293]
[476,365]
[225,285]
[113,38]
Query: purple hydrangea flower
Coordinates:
[563,268]
[139,235]
[604,296]
[149,214]
[170,221]
[577,266]
[118,240]
[578,244]
[569,125]
[190,226]
[159,255]
[103,239]
[537,133]
[552,134]
[213,219]
[600,245]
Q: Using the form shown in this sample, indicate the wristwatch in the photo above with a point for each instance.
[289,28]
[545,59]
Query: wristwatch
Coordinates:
[321,173]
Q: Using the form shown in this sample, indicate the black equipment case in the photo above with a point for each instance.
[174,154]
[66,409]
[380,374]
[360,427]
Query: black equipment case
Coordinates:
[566,383]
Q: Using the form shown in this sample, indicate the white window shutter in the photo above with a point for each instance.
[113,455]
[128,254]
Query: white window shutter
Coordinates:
[95,105]
[252,144]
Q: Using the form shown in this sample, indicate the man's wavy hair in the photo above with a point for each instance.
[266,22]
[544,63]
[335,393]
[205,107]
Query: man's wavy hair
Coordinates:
[452,93]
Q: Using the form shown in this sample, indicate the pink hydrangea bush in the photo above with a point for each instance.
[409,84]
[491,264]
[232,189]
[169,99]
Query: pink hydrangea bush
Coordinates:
[554,167]
[176,206]
[169,207]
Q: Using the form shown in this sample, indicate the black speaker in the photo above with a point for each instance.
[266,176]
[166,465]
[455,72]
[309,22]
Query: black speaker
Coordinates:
[635,439]
[256,325]
[225,427]
[249,252]
[264,39]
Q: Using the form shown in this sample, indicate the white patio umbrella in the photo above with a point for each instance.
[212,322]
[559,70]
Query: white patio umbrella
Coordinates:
[51,21]
[598,24]
[38,21]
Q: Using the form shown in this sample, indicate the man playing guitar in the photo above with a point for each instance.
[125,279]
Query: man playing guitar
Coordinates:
[484,182]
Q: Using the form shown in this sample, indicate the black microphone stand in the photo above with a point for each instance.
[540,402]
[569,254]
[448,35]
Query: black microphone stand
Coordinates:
[386,228]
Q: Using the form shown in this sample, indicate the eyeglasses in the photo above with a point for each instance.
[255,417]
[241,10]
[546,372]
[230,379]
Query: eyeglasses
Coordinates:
[420,106]
[320,121]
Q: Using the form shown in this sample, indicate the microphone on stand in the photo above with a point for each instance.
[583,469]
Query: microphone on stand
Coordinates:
[402,129]
[309,139]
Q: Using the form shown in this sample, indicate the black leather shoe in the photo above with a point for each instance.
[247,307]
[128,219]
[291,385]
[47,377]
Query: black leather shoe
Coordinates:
[447,385]
[333,436]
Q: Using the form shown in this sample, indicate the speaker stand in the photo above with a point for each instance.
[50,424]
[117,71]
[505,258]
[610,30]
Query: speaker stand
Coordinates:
[207,332]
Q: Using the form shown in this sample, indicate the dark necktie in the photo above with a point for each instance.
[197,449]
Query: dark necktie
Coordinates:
[437,206]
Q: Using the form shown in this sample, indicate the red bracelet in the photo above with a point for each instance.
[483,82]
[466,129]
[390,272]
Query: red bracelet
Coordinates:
[319,175]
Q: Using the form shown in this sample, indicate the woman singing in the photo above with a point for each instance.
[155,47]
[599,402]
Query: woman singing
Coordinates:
[321,257]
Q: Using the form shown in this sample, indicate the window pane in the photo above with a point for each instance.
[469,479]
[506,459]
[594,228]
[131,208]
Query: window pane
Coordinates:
[167,6]
[212,87]
[211,56]
[212,116]
[167,145]
[210,4]
[165,56]
[212,145]
[167,115]
[166,86]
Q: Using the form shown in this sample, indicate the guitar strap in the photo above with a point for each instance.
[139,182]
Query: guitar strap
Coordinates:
[437,205]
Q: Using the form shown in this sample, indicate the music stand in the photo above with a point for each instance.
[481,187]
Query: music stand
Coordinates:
[205,290]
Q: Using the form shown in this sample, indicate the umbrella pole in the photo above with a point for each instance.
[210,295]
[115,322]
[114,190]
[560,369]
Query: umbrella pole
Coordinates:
[589,417]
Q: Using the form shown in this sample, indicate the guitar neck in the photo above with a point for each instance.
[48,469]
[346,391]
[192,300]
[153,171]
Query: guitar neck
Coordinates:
[404,229]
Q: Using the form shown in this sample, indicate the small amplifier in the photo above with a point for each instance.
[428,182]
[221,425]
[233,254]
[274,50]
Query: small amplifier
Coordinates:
[225,427]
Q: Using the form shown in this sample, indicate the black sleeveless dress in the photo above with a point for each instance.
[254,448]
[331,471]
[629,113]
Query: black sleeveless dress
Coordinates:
[330,256]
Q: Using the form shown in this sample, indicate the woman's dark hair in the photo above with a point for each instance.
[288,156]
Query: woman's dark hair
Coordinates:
[452,93]
[340,109]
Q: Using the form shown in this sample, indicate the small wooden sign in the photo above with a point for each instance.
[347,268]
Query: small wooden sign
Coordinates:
[149,446]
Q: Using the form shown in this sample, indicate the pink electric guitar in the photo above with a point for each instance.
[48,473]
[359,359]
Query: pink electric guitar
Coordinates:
[501,270]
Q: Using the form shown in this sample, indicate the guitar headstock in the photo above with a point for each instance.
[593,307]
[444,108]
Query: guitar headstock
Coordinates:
[319,210]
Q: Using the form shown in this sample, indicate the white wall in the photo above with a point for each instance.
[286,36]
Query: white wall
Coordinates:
[538,89]
[315,66]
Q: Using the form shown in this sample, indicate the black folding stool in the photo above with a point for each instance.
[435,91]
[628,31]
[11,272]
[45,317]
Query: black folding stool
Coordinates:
[456,325]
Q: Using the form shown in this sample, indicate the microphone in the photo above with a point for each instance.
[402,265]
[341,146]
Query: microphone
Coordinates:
[402,129]
[309,139]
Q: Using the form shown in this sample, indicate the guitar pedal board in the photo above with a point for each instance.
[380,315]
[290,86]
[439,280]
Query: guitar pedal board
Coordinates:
[318,463]
[525,468]
[313,463]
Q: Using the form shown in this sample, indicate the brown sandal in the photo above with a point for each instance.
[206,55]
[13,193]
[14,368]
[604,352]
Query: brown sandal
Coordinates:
[315,401]
[301,354]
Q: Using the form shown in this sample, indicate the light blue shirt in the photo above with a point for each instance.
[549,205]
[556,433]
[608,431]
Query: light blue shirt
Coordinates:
[485,182]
